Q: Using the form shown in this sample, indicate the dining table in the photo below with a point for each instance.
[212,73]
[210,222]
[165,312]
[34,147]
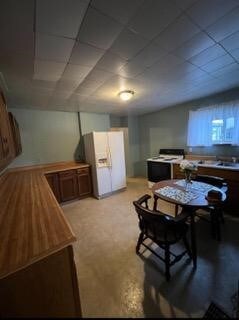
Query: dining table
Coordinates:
[190,199]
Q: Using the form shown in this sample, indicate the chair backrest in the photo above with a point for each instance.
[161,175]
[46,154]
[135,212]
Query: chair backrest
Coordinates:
[213,180]
[157,225]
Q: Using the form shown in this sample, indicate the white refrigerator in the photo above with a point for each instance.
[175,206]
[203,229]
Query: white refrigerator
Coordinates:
[104,151]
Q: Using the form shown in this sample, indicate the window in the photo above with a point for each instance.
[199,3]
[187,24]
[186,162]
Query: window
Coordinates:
[214,125]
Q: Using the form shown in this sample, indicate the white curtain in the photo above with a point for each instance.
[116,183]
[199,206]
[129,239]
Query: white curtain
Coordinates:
[200,123]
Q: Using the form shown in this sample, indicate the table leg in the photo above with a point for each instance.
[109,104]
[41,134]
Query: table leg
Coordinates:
[193,240]
[155,202]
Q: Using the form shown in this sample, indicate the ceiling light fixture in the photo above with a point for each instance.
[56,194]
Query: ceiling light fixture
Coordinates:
[126,94]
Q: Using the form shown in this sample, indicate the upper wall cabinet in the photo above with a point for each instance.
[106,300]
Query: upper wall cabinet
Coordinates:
[15,134]
[9,133]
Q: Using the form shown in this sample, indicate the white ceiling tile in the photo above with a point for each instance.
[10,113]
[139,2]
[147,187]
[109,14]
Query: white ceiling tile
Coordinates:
[194,46]
[181,30]
[149,55]
[184,4]
[121,10]
[93,77]
[48,70]
[75,72]
[128,44]
[98,75]
[153,16]
[85,55]
[208,55]
[235,54]
[53,48]
[205,13]
[67,85]
[19,64]
[226,70]
[225,26]
[17,16]
[218,63]
[164,65]
[131,69]
[17,42]
[16,27]
[99,30]
[87,87]
[231,42]
[50,85]
[60,17]
[111,62]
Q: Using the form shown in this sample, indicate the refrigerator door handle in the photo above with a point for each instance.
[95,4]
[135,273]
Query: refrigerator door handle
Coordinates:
[109,157]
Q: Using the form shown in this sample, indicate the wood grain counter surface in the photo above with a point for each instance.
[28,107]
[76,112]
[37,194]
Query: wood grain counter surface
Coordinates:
[32,224]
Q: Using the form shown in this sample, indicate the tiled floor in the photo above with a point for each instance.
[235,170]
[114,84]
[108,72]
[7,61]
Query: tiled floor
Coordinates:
[115,282]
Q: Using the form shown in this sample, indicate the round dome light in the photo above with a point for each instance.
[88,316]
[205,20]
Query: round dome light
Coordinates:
[126,95]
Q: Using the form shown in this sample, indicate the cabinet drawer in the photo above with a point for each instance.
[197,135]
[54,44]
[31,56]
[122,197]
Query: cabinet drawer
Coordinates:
[67,173]
[83,171]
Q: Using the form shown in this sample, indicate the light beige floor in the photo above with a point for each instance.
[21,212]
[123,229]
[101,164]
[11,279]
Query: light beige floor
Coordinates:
[115,282]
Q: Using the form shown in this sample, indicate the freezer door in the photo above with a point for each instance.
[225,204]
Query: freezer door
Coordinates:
[117,158]
[102,162]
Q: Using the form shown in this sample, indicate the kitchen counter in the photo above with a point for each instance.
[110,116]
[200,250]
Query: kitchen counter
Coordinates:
[32,224]
[214,164]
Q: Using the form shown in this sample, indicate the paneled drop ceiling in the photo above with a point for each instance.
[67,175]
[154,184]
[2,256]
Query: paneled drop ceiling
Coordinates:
[76,55]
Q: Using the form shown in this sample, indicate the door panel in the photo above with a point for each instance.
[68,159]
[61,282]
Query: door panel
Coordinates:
[84,184]
[68,185]
[117,155]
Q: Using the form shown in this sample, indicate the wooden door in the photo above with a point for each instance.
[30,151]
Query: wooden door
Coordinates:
[53,181]
[84,182]
[68,185]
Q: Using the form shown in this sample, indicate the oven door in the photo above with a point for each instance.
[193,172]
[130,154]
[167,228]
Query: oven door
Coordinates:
[158,171]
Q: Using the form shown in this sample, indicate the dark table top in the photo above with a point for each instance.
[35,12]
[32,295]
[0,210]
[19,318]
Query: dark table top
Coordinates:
[199,201]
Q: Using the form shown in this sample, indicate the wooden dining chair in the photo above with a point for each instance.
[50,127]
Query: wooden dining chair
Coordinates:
[163,230]
[215,209]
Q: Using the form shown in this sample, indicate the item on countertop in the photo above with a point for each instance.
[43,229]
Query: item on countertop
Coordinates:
[188,168]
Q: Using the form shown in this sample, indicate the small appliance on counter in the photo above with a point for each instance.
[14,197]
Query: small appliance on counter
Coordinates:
[161,167]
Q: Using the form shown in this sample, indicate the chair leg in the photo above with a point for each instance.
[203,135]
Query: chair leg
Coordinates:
[186,244]
[221,216]
[140,240]
[167,262]
[215,224]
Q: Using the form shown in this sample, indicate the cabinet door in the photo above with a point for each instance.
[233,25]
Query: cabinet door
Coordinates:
[68,185]
[6,140]
[53,181]
[84,182]
[15,134]
[18,137]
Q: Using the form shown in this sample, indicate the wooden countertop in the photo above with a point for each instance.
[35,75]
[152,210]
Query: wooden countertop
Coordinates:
[32,224]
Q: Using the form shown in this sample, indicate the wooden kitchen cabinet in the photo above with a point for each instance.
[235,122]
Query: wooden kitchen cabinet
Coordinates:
[15,134]
[84,182]
[53,181]
[231,177]
[68,185]
[47,288]
[6,139]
